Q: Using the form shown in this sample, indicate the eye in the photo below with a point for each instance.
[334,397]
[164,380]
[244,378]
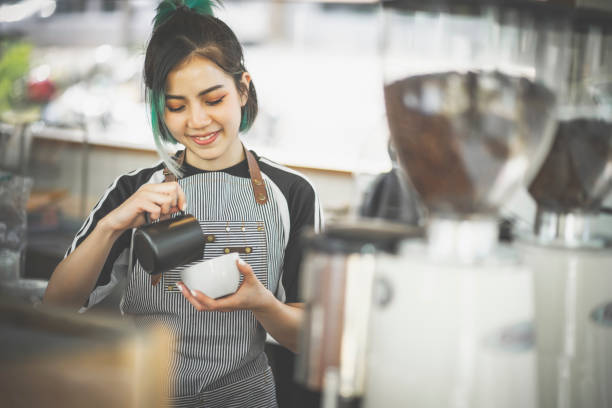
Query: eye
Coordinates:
[216,101]
[180,108]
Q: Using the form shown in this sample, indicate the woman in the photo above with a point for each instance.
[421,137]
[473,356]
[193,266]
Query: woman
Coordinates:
[201,96]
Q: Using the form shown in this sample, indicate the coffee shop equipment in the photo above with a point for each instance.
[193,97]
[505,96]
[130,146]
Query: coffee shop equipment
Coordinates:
[161,246]
[336,284]
[471,109]
[14,195]
[571,260]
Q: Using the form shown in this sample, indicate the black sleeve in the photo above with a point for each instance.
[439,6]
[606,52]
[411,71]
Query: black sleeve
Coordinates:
[121,189]
[304,214]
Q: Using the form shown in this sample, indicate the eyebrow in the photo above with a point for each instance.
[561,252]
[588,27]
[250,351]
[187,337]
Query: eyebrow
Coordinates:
[202,93]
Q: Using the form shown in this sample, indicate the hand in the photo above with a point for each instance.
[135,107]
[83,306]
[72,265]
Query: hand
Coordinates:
[251,295]
[158,200]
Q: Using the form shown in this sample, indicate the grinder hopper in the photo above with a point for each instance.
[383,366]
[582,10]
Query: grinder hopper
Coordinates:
[469,93]
[572,262]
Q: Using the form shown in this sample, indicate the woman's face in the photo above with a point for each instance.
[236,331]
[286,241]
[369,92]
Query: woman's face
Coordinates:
[203,113]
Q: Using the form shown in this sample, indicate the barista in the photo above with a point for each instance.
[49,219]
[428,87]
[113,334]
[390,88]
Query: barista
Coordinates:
[201,96]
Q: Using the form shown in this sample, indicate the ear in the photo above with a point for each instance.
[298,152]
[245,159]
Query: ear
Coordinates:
[246,85]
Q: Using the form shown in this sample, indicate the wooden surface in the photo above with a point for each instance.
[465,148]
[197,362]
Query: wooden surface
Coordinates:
[51,358]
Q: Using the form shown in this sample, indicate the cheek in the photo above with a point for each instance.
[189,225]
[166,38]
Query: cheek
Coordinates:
[234,107]
[173,122]
[227,116]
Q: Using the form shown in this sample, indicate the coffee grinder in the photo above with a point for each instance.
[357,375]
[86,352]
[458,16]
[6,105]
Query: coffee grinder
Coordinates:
[470,106]
[336,287]
[571,261]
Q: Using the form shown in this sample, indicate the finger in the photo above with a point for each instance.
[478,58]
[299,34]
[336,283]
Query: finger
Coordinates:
[165,208]
[164,201]
[204,302]
[154,212]
[148,207]
[167,200]
[244,268]
[227,304]
[175,195]
[173,209]
[173,191]
[188,294]
[182,199]
[168,188]
[156,197]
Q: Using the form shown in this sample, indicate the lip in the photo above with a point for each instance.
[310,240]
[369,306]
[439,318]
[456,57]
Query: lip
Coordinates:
[213,137]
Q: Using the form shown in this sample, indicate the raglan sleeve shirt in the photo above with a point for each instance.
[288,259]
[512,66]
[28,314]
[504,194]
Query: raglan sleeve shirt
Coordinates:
[117,262]
[304,212]
[301,200]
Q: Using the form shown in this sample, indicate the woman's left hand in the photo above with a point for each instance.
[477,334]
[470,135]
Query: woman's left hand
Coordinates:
[251,295]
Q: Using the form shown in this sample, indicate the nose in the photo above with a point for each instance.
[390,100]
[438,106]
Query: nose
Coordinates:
[198,117]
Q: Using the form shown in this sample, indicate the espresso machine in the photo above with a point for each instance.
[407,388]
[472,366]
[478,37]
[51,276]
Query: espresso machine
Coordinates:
[471,106]
[336,286]
[570,259]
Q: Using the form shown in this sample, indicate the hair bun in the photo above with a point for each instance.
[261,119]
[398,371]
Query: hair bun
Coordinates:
[167,8]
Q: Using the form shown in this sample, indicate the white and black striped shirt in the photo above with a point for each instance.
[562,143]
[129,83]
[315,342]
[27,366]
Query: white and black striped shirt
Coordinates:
[218,358]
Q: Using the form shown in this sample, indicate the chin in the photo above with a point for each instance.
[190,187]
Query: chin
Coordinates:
[210,155]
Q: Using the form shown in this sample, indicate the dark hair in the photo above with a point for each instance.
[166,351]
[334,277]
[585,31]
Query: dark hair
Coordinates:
[179,33]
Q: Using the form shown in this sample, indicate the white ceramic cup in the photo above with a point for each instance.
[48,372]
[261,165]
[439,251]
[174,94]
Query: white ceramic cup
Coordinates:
[214,277]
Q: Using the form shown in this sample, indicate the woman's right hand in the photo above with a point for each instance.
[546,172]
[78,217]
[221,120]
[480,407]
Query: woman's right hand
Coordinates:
[158,200]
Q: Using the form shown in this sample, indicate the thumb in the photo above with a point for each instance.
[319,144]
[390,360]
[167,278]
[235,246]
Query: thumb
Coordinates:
[244,268]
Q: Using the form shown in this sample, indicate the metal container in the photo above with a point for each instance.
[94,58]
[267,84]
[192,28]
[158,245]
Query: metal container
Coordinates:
[163,245]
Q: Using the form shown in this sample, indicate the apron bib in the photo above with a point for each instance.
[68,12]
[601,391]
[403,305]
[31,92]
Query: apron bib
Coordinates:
[215,350]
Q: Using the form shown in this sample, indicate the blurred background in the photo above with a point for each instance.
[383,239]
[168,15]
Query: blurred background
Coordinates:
[73,117]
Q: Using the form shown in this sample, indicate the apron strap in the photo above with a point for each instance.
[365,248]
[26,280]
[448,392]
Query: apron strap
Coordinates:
[168,175]
[259,186]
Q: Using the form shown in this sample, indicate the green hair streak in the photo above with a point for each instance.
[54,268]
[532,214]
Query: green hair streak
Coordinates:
[167,7]
[157,103]
[244,121]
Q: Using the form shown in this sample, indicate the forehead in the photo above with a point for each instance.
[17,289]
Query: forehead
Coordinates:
[195,74]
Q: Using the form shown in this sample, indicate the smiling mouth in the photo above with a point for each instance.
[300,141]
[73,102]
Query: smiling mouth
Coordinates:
[205,138]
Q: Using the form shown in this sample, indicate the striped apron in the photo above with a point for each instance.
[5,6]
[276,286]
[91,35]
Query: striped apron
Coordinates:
[217,358]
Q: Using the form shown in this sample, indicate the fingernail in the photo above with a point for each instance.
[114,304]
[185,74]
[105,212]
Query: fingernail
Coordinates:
[180,287]
[241,261]
[193,293]
[184,206]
